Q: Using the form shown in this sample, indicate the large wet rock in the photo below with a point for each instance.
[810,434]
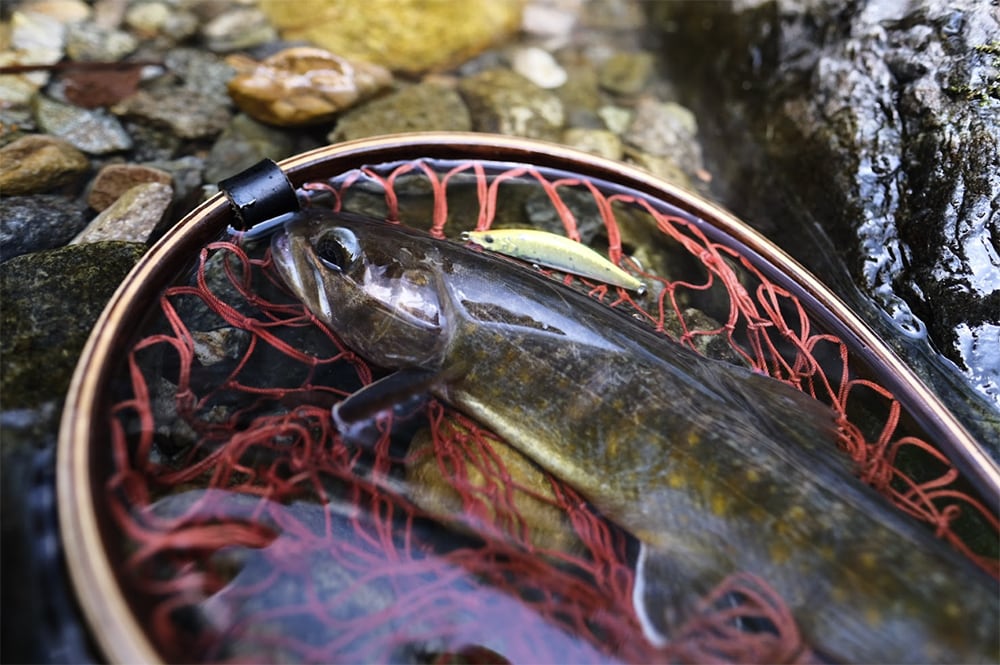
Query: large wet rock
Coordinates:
[411,36]
[51,301]
[881,123]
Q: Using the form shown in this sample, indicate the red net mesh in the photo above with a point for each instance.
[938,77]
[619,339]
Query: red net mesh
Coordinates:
[253,533]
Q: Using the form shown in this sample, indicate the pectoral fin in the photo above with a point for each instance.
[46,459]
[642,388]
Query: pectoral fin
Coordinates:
[664,594]
[402,391]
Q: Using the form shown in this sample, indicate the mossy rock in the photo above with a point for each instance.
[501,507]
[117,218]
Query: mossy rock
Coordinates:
[51,300]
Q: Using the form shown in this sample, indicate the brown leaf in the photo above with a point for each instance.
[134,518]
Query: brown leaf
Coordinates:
[92,88]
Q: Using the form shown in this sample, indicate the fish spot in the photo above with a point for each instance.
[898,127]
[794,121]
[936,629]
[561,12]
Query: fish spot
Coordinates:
[720,504]
[873,616]
[825,552]
[753,475]
[952,610]
[779,552]
[868,560]
[676,480]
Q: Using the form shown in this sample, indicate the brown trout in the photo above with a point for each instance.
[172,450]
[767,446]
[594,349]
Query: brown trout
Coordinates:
[713,468]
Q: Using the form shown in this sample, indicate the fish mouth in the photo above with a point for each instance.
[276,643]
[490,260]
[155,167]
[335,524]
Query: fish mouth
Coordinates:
[283,255]
[297,267]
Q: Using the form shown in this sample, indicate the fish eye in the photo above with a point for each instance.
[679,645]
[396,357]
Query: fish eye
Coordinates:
[338,249]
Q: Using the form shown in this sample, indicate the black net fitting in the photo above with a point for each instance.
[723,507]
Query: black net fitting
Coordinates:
[259,193]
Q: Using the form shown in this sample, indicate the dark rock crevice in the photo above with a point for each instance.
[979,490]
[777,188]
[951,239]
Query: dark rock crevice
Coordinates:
[846,133]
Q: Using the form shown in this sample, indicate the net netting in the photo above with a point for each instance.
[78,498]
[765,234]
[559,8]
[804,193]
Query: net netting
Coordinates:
[253,533]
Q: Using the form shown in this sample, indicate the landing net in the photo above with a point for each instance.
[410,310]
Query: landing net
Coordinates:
[254,534]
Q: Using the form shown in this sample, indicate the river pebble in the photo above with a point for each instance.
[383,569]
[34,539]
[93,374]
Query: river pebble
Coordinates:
[66,12]
[600,142]
[550,21]
[156,19]
[187,175]
[33,223]
[32,39]
[199,71]
[504,102]
[417,108]
[662,136]
[39,163]
[214,346]
[36,38]
[538,66]
[93,131]
[149,18]
[304,86]
[15,121]
[626,73]
[244,143]
[88,41]
[186,113]
[132,217]
[615,118]
[581,97]
[239,28]
[114,180]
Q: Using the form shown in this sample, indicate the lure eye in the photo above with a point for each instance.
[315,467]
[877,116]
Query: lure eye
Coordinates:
[338,249]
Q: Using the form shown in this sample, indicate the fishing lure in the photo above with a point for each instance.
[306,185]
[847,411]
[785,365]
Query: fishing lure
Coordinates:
[554,251]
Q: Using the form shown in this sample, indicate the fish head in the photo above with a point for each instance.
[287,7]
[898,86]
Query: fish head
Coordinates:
[376,285]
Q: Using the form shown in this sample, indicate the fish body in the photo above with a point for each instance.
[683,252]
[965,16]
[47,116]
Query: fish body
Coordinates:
[713,468]
[553,251]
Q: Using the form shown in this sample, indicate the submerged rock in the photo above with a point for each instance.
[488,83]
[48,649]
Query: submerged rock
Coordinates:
[417,108]
[304,86]
[504,102]
[600,142]
[538,66]
[626,73]
[411,36]
[881,121]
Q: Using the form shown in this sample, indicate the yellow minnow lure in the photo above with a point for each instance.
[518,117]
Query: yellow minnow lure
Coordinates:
[553,251]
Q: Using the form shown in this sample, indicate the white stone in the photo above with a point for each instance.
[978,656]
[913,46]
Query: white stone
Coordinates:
[615,118]
[538,66]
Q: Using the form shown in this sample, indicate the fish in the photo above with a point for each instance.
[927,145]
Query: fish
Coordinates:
[714,469]
[553,251]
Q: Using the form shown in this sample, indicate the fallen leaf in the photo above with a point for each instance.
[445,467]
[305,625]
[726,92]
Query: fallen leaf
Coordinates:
[89,88]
